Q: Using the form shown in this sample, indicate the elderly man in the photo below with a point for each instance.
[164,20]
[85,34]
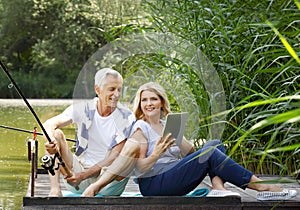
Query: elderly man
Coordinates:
[103,126]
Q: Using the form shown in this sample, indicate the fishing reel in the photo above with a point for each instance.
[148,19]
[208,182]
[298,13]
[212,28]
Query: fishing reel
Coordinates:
[48,163]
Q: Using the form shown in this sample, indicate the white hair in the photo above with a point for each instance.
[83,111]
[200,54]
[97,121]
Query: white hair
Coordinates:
[101,75]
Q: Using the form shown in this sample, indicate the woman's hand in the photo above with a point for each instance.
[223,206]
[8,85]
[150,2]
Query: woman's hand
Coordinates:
[163,144]
[144,163]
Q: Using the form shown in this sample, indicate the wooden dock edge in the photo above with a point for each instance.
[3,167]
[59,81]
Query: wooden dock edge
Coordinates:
[247,202]
[150,203]
[132,203]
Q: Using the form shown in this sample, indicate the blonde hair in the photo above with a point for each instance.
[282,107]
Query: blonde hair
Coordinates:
[100,76]
[157,89]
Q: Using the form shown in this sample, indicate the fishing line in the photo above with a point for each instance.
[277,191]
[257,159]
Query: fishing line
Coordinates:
[34,114]
[27,131]
[25,100]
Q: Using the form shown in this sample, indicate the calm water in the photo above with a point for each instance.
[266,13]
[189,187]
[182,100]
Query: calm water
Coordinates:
[14,165]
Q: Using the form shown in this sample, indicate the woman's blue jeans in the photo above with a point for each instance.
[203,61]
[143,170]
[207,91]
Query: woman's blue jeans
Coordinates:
[191,170]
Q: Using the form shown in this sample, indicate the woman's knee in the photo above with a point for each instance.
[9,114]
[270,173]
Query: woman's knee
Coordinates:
[131,147]
[217,144]
[212,152]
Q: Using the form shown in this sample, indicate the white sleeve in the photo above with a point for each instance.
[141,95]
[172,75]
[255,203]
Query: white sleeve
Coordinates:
[75,112]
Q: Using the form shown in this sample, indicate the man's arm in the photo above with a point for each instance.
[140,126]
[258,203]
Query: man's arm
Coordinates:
[96,169]
[56,122]
[51,125]
[57,142]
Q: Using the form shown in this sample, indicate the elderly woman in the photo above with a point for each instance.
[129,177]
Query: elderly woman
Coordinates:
[165,169]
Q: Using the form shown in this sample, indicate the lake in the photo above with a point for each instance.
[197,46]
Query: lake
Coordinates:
[14,164]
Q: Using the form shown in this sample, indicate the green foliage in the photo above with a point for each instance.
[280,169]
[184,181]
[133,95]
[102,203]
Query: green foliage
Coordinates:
[253,45]
[254,65]
[184,88]
[51,40]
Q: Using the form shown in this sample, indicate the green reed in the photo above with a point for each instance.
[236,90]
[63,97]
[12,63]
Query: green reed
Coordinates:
[255,65]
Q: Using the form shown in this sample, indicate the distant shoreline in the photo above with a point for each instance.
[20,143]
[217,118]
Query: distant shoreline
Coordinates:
[36,102]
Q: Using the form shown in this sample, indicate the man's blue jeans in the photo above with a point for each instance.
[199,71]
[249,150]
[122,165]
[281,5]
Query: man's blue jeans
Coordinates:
[191,170]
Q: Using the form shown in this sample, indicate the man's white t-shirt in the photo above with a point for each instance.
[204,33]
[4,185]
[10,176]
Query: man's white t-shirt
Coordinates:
[101,133]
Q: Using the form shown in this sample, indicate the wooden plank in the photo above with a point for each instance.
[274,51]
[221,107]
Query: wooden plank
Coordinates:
[248,199]
[149,202]
[277,205]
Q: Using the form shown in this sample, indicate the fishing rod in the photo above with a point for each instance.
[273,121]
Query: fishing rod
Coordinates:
[57,155]
[27,131]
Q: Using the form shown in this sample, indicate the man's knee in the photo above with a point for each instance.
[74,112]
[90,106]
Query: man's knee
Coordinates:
[59,135]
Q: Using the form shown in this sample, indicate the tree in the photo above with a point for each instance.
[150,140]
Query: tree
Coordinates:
[46,43]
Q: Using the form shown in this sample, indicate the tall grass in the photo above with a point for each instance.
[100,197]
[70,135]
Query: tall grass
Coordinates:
[256,68]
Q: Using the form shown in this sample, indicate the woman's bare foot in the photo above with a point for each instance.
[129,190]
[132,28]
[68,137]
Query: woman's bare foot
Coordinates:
[255,185]
[217,183]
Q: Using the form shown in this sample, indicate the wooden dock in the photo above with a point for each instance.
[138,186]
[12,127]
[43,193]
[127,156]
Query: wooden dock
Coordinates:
[133,201]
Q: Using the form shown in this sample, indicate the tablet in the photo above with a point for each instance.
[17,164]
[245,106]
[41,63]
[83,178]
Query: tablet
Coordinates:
[175,124]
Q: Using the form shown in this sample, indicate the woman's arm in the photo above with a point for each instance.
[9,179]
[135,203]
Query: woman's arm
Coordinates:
[186,147]
[144,163]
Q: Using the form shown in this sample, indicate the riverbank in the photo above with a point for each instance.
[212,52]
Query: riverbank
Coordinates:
[36,102]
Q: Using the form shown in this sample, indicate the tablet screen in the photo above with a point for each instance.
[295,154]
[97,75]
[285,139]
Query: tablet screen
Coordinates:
[175,124]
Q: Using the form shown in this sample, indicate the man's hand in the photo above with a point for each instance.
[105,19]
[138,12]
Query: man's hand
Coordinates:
[75,179]
[51,147]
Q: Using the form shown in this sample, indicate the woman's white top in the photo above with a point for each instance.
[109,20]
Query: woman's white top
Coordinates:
[168,159]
